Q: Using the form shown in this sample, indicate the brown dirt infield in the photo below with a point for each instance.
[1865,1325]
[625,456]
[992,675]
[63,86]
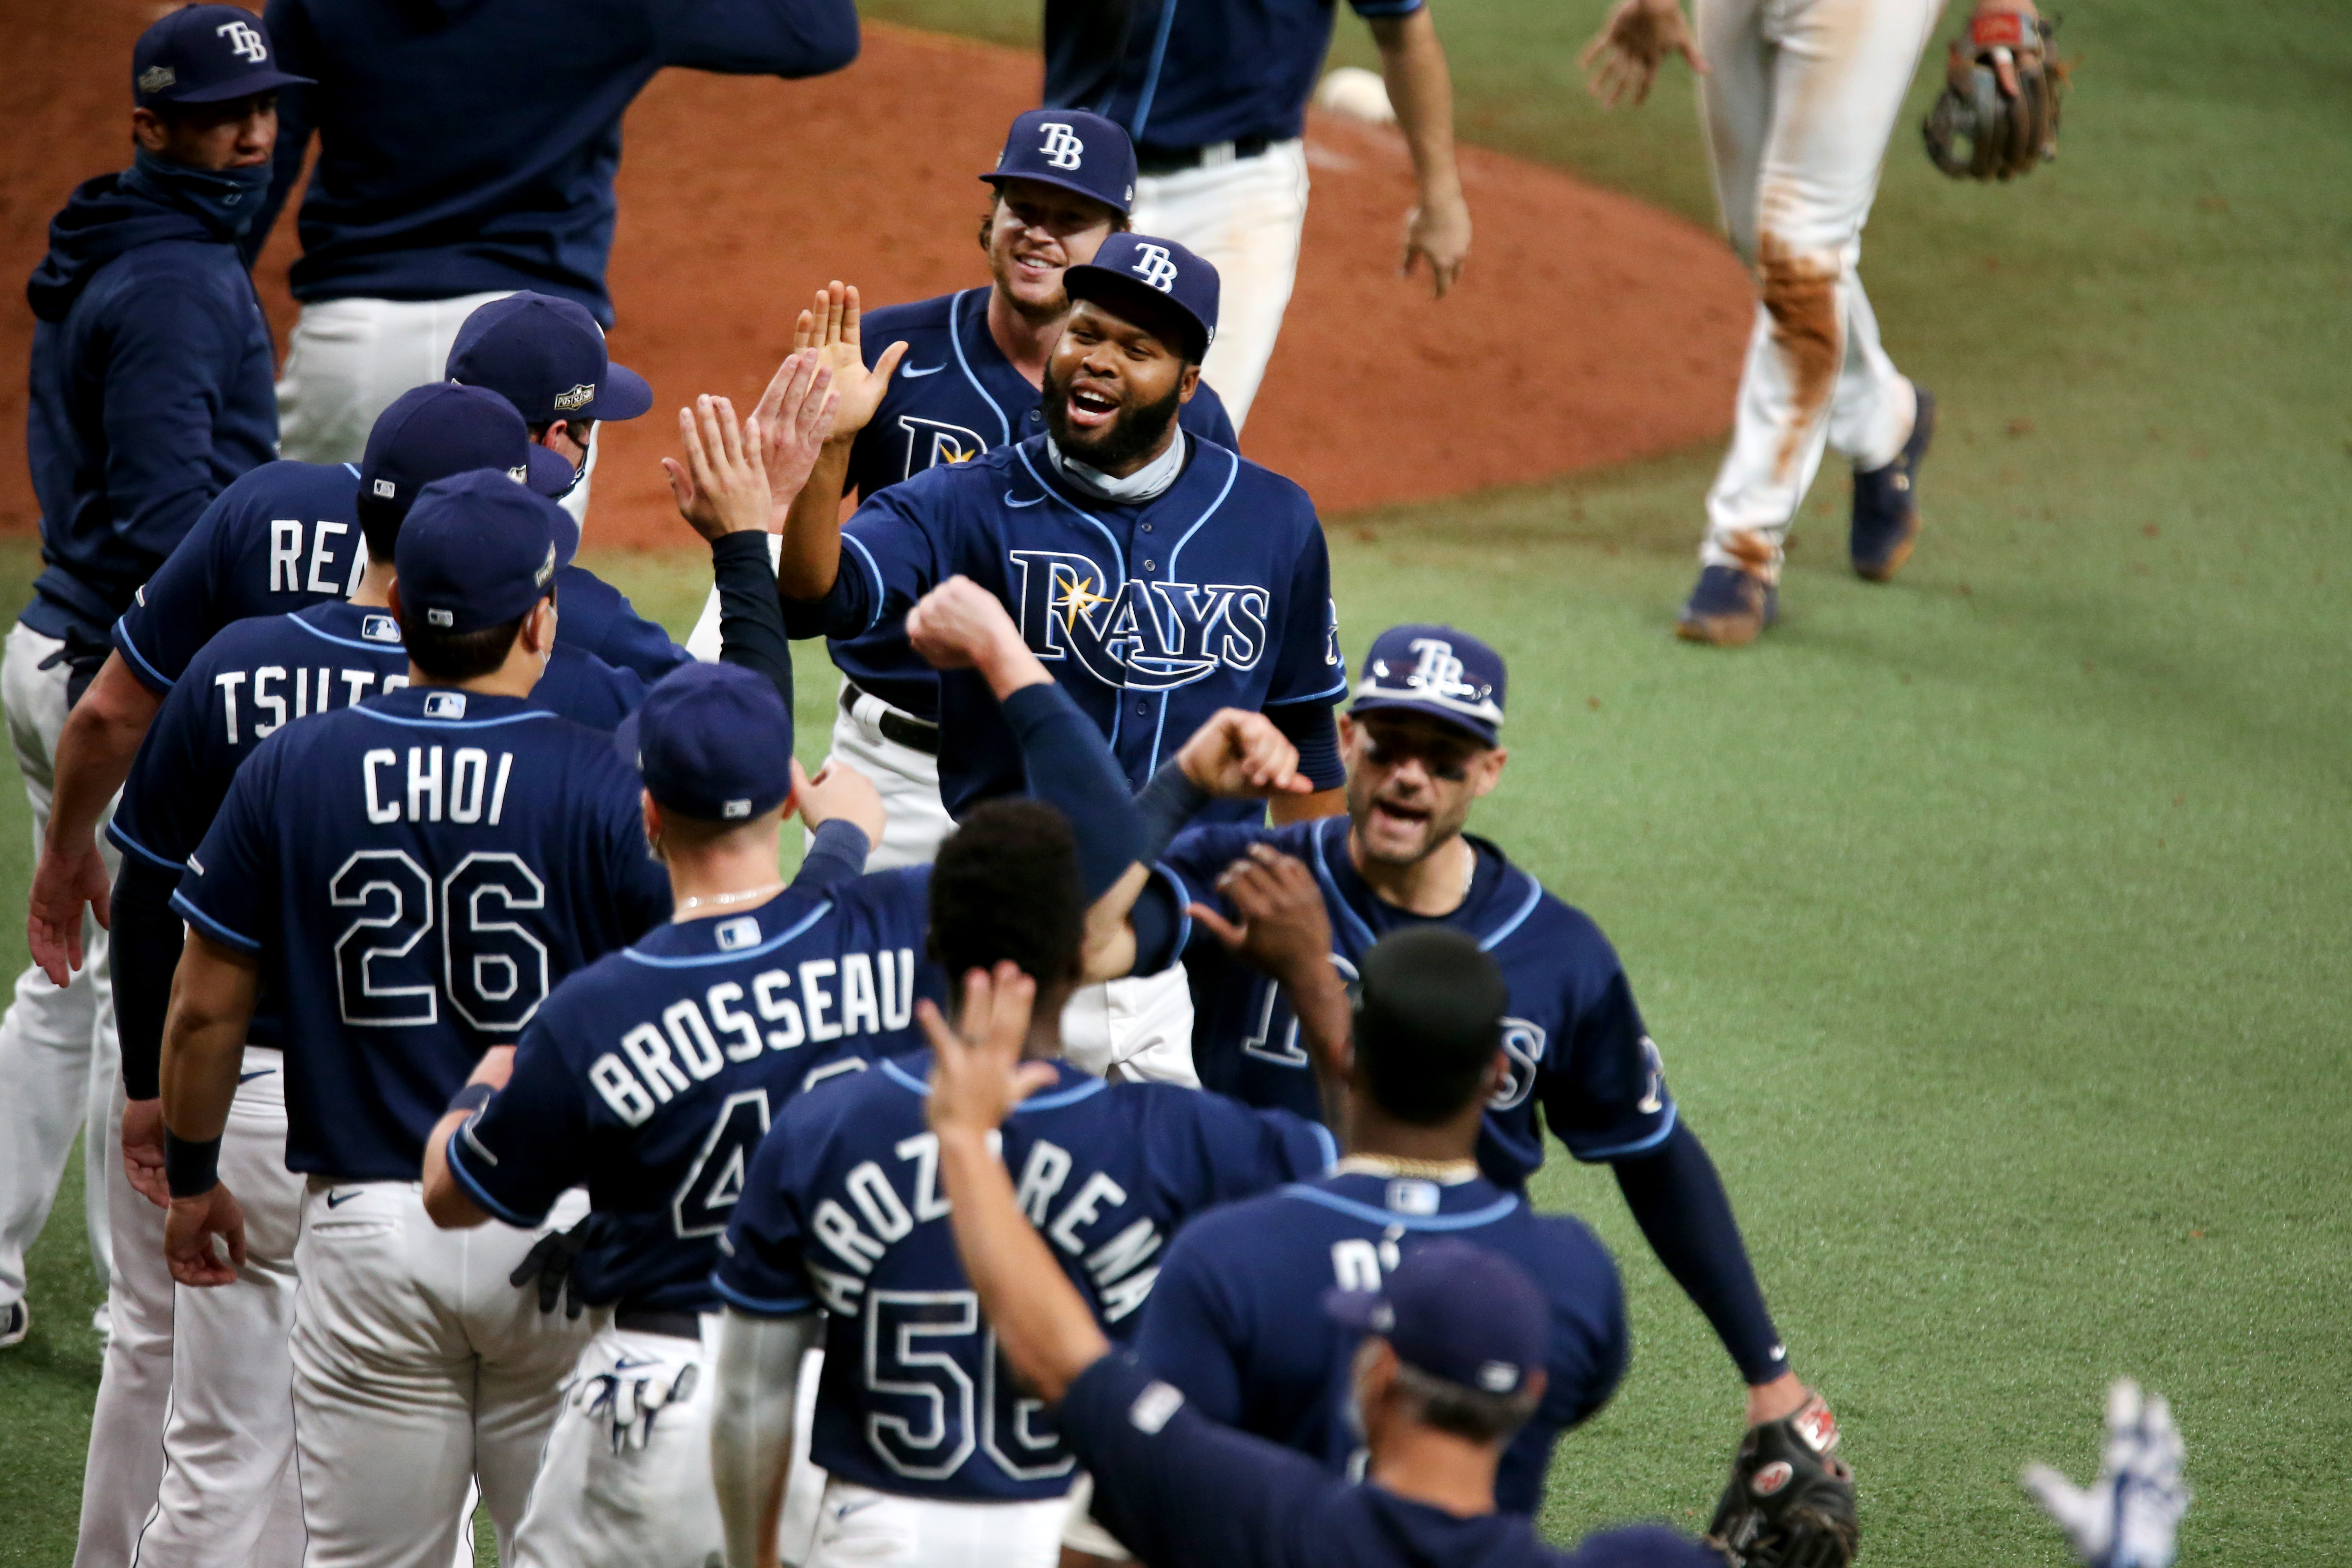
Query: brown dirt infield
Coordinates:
[1588,329]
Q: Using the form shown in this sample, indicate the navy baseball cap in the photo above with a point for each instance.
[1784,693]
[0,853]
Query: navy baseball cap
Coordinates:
[1072,148]
[1437,671]
[477,549]
[547,357]
[714,743]
[1457,1312]
[433,431]
[1128,263]
[205,54]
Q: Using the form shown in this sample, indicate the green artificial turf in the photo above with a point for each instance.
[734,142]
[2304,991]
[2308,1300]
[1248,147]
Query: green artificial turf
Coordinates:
[1994,925]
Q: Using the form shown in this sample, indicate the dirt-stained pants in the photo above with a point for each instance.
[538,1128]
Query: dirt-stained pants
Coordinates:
[1803,97]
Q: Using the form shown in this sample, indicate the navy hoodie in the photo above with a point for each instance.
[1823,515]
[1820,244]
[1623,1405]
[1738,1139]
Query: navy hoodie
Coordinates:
[152,389]
[467,147]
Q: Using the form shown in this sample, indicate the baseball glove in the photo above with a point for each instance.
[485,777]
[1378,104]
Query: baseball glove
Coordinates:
[1998,114]
[1789,1503]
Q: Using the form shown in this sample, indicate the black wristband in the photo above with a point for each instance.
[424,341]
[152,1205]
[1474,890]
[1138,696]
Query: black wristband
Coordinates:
[472,1097]
[191,1167]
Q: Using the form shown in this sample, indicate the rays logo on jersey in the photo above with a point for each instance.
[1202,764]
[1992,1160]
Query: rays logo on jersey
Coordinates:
[931,442]
[1142,637]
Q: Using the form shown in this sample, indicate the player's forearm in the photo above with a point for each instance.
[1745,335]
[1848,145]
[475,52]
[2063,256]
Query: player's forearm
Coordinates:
[95,750]
[446,1203]
[1679,1202]
[1041,1323]
[811,557]
[204,1037]
[752,1427]
[1108,950]
[1319,1000]
[1421,89]
[1290,808]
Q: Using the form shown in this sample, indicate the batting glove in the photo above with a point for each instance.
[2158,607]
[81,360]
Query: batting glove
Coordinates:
[2127,1517]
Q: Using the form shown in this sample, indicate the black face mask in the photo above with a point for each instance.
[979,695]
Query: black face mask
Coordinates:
[1134,434]
[228,199]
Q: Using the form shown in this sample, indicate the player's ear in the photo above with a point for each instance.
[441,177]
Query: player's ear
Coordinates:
[1490,771]
[1189,384]
[652,814]
[392,601]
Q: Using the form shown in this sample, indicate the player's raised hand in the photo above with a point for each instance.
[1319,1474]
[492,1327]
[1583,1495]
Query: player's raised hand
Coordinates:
[1624,58]
[722,486]
[2128,1517]
[831,327]
[796,415]
[1241,755]
[839,793]
[1282,927]
[65,883]
[977,1073]
[189,1229]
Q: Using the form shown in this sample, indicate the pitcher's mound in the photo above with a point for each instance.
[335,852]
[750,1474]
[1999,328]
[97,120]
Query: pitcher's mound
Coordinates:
[1588,329]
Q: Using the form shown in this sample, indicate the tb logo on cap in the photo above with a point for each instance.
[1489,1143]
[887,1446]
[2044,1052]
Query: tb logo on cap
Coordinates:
[1439,672]
[1062,147]
[1155,267]
[244,39]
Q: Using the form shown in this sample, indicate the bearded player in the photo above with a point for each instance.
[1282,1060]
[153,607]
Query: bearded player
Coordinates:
[1159,575]
[974,362]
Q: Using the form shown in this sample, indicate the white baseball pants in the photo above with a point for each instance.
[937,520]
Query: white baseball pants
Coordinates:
[228,1493]
[416,1368]
[625,1479]
[349,360]
[58,1046]
[134,1386]
[1244,217]
[1798,106]
[861,1528]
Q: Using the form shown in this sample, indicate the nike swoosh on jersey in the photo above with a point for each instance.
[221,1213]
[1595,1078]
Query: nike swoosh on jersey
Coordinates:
[1033,500]
[911,373]
[258,1072]
[337,1200]
[845,1510]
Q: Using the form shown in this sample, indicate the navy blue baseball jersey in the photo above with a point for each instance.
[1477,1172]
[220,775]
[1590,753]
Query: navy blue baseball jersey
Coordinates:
[261,674]
[954,396]
[1574,1037]
[842,1210]
[286,536]
[1216,595]
[1236,1321]
[1184,75]
[652,1075]
[415,873]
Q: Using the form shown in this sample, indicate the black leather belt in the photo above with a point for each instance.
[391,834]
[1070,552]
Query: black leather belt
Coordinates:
[1149,159]
[648,1321]
[911,733]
